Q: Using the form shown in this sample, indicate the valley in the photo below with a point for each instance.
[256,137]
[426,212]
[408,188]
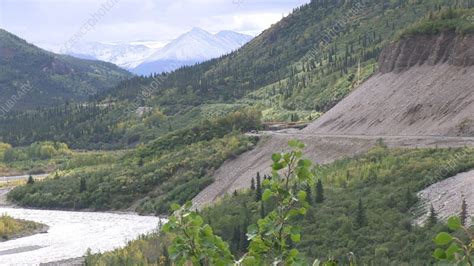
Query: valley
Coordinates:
[325,140]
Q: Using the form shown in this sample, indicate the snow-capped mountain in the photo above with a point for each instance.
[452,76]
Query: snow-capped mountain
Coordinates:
[146,57]
[122,54]
[190,48]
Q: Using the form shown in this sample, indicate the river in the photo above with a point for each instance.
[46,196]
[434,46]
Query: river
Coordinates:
[70,234]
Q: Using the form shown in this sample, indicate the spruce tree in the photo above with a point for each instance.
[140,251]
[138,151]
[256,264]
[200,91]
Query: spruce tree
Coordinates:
[82,185]
[252,184]
[348,175]
[258,188]
[309,194]
[319,192]
[433,217]
[30,180]
[463,215]
[361,218]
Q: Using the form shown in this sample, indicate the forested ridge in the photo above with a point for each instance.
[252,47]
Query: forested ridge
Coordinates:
[41,79]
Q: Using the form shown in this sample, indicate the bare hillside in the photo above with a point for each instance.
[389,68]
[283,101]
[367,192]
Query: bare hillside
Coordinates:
[425,87]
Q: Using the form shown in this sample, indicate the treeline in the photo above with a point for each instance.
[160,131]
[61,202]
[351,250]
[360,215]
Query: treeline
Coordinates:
[81,126]
[110,126]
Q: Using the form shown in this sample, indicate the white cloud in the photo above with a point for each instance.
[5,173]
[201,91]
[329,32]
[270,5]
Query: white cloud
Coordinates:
[55,21]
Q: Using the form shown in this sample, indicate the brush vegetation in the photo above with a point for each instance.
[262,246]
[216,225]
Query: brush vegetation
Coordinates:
[150,176]
[460,21]
[365,217]
[13,228]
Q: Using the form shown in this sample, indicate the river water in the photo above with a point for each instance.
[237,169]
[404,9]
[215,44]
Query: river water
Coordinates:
[70,234]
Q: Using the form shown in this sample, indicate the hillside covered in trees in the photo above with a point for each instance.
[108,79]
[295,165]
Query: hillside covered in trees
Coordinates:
[31,77]
[173,168]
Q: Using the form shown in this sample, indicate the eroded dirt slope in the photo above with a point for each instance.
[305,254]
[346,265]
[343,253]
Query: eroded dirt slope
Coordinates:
[425,87]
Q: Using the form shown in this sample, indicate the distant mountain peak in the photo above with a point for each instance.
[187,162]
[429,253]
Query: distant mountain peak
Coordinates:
[197,30]
[194,46]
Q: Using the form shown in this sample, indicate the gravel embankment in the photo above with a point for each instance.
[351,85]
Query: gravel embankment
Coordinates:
[446,197]
[425,100]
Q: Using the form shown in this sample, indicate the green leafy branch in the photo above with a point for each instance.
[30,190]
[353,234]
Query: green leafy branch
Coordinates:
[272,239]
[452,249]
[193,241]
[272,236]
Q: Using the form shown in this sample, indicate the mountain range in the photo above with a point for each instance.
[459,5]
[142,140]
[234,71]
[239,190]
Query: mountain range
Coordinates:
[142,58]
[125,55]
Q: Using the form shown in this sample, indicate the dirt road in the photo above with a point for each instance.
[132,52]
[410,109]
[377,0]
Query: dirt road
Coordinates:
[236,174]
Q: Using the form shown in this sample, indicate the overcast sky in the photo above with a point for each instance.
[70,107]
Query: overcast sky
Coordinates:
[57,21]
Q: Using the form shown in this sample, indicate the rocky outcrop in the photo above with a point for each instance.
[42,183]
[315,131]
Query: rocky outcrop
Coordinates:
[448,47]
